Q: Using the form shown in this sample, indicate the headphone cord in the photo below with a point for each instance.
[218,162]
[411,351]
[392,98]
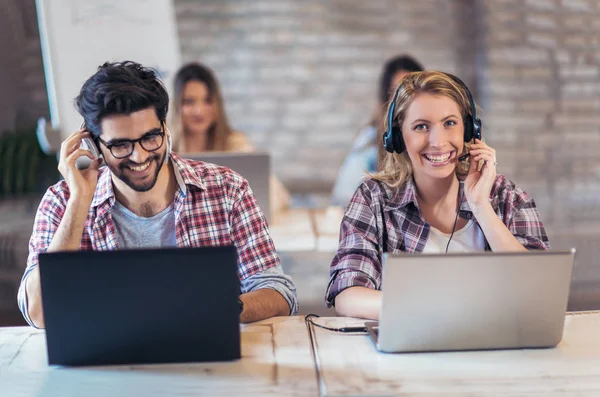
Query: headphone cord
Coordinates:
[455,219]
[308,319]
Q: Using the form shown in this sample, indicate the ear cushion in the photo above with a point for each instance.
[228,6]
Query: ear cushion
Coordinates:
[388,143]
[90,145]
[399,146]
[169,142]
[469,133]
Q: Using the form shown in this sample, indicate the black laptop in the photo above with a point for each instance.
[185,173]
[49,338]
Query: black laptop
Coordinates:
[141,306]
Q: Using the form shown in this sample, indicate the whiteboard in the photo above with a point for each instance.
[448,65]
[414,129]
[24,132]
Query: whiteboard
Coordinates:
[77,36]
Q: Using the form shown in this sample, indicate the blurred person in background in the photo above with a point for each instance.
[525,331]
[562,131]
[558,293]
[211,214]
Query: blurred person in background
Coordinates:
[199,123]
[366,149]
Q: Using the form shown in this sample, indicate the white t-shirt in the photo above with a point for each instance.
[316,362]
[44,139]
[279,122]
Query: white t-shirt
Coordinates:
[468,239]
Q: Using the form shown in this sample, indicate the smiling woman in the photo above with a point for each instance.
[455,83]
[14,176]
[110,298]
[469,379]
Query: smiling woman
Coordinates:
[200,124]
[437,181]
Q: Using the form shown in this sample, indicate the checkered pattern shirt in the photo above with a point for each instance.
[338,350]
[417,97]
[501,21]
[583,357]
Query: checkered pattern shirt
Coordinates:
[213,206]
[379,220]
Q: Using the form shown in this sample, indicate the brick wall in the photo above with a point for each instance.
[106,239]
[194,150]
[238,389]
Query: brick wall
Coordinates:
[23,97]
[541,90]
[300,76]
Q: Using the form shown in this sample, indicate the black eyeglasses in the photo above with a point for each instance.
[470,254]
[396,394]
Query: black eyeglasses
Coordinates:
[122,148]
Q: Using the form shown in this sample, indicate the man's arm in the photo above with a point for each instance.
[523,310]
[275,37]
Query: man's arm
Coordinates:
[266,290]
[263,303]
[69,218]
[67,238]
[268,293]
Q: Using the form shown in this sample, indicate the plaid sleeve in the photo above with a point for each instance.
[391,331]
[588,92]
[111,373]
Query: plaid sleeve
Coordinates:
[527,227]
[250,234]
[521,216]
[47,219]
[359,255]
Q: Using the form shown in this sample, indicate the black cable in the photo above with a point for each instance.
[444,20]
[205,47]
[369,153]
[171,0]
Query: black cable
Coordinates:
[308,317]
[455,220]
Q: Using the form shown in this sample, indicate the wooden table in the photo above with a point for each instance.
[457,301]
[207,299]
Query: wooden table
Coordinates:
[350,366]
[277,361]
[292,230]
[307,229]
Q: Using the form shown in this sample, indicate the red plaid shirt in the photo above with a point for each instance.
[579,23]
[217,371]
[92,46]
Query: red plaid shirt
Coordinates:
[213,207]
[375,210]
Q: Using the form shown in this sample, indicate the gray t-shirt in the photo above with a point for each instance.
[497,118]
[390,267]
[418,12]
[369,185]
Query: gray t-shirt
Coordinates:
[159,231]
[138,232]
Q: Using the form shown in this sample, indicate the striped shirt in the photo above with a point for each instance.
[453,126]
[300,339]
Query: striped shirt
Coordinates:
[378,220]
[213,206]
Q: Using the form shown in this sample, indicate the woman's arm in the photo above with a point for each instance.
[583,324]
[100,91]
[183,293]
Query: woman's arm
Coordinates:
[355,271]
[496,232]
[524,223]
[358,302]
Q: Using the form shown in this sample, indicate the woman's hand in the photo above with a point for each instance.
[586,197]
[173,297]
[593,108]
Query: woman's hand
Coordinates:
[478,184]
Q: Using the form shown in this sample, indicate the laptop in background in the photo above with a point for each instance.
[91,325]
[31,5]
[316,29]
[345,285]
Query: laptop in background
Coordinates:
[141,306]
[254,166]
[446,302]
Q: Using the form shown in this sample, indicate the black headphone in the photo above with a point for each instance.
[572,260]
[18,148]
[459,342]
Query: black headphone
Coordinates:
[392,137]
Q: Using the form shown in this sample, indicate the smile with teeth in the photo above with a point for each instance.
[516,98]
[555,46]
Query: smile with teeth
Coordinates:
[140,168]
[438,158]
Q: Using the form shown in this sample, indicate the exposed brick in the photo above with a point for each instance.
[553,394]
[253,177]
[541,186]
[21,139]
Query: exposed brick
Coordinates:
[537,106]
[576,105]
[577,5]
[538,72]
[541,4]
[586,72]
[541,21]
[576,22]
[518,55]
[576,40]
[542,39]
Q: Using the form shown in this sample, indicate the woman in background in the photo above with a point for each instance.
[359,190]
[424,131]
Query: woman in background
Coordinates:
[365,151]
[199,123]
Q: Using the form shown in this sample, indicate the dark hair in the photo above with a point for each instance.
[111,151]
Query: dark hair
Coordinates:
[120,88]
[391,67]
[221,130]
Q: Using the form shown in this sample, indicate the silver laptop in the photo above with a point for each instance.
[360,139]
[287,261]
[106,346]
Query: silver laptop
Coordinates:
[254,166]
[445,302]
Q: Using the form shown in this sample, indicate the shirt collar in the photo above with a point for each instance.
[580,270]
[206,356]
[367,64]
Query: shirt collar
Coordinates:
[185,175]
[408,194]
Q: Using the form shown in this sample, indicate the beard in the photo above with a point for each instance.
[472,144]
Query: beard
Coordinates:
[121,172]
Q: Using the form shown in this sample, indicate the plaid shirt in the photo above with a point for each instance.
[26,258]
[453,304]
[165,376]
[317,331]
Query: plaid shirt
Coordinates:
[213,207]
[375,211]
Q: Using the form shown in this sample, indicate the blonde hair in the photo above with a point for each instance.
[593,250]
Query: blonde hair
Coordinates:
[220,131]
[395,169]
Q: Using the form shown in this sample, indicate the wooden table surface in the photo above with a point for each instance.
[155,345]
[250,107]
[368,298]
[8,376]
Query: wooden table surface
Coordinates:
[349,365]
[277,361]
[307,229]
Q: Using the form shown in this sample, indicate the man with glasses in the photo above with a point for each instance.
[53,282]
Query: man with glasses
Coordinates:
[147,196]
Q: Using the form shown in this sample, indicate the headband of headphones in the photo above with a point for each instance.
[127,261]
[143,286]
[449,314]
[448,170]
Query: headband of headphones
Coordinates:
[392,138]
